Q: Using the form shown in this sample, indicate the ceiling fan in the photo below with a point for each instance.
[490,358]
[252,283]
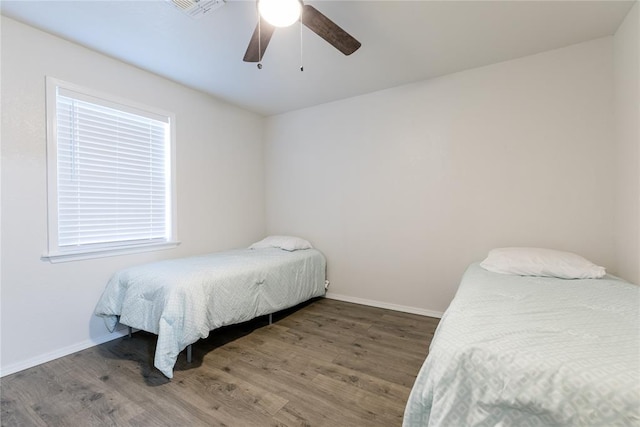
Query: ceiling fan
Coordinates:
[270,18]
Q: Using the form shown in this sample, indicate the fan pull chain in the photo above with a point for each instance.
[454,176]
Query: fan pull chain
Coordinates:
[301,64]
[259,38]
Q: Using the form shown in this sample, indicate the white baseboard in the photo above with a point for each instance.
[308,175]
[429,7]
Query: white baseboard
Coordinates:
[389,306]
[48,357]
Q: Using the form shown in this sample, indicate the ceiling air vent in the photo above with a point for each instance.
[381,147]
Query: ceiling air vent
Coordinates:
[197,8]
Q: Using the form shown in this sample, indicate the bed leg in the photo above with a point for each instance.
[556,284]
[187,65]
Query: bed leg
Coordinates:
[130,331]
[189,358]
[270,318]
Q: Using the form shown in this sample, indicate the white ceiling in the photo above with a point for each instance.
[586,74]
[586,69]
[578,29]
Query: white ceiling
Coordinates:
[402,42]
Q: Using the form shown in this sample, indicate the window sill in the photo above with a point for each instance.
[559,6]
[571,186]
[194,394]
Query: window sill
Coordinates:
[56,257]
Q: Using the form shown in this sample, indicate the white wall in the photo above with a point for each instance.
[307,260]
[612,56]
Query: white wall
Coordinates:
[627,109]
[47,309]
[403,188]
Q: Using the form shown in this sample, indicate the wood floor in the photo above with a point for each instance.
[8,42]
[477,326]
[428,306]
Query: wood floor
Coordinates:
[325,363]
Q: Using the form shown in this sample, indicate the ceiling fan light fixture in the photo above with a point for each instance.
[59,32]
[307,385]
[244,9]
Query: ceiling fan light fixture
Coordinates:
[280,13]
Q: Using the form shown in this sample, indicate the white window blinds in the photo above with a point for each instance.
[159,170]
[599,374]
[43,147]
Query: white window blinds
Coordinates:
[112,174]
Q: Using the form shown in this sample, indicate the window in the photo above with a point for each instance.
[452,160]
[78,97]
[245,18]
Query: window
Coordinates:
[110,175]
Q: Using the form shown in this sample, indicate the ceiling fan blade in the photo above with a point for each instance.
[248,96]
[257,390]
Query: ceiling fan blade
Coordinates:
[259,41]
[328,30]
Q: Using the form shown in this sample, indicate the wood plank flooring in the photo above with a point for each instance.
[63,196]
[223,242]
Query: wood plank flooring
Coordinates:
[324,363]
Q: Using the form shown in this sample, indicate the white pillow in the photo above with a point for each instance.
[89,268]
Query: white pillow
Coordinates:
[541,262]
[288,243]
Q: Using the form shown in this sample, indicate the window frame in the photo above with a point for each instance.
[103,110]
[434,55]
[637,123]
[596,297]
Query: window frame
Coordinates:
[55,253]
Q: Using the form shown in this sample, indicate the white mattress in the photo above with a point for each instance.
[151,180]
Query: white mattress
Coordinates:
[531,351]
[182,300]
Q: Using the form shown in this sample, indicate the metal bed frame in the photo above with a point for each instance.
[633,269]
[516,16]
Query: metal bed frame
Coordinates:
[189,348]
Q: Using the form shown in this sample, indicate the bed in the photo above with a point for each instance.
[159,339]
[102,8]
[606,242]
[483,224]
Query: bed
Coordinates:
[516,350]
[181,300]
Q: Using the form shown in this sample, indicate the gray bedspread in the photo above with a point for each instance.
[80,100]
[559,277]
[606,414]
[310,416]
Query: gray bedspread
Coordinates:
[181,300]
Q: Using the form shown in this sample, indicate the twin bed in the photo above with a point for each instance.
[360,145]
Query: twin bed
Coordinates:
[529,340]
[181,300]
[516,350]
